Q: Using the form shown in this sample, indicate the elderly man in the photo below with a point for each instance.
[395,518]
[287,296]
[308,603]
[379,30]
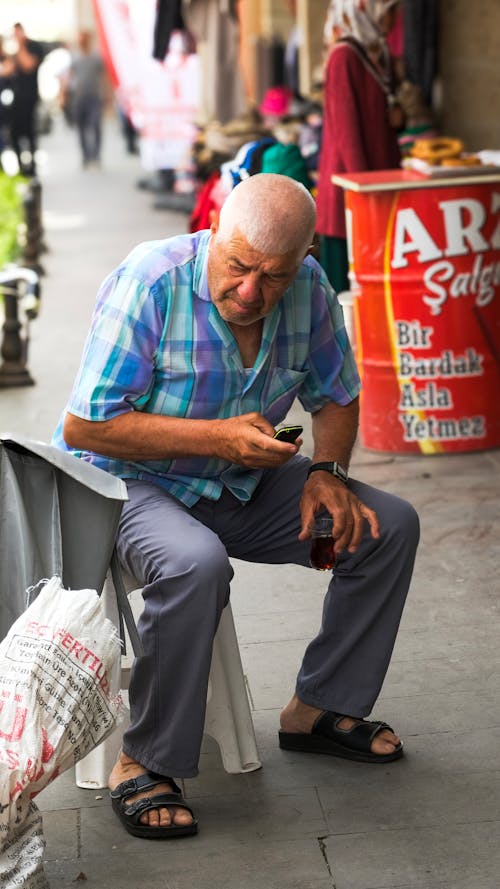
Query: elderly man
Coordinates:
[198,347]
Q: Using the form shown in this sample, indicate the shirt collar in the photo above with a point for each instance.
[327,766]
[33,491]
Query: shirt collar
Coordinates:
[200,278]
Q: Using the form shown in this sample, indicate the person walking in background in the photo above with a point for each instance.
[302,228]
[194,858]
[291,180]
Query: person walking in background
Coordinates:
[129,132]
[360,116]
[83,95]
[6,70]
[24,81]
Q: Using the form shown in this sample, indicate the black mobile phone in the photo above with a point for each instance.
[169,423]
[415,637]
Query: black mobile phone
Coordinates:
[288,433]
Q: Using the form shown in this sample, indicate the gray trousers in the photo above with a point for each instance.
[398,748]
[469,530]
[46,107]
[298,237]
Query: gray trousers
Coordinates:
[182,556]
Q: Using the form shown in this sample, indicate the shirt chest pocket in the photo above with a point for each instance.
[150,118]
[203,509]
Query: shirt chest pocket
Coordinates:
[281,389]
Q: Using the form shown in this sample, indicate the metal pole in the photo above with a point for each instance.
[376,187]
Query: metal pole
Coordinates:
[32,246]
[14,348]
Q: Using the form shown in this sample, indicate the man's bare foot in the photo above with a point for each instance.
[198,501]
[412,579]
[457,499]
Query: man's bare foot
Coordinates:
[126,768]
[299,718]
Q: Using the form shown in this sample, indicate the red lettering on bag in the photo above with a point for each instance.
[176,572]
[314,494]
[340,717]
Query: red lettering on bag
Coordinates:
[47,747]
[17,725]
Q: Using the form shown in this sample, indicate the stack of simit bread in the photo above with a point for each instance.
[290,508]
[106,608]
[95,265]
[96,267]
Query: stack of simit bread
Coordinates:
[443,152]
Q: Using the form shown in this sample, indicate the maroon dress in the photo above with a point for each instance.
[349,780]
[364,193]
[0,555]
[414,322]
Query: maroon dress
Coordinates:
[357,135]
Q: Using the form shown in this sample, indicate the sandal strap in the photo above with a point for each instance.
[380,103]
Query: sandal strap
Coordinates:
[147,781]
[358,737]
[161,800]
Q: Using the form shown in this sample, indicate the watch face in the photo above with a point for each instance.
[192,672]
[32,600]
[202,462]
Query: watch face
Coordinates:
[340,471]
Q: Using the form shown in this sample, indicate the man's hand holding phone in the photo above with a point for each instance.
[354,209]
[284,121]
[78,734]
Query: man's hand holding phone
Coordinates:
[250,440]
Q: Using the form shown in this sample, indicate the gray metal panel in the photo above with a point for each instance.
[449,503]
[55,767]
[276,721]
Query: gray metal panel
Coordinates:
[103,483]
[58,515]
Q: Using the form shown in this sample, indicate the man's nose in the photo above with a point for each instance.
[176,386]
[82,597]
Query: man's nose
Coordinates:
[249,288]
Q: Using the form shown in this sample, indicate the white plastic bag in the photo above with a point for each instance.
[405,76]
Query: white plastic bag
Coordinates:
[56,704]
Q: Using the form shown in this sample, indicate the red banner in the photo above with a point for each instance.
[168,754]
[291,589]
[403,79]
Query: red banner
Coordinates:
[161,98]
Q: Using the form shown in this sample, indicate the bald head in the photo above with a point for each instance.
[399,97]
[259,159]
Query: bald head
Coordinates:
[275,214]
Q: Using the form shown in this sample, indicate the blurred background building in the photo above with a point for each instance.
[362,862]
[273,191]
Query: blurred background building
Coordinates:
[465,71]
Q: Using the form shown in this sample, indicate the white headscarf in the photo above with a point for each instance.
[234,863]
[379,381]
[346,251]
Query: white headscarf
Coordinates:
[359,19]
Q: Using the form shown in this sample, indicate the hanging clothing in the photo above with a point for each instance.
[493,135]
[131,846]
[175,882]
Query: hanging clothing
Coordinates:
[420,48]
[357,133]
[168,18]
[215,27]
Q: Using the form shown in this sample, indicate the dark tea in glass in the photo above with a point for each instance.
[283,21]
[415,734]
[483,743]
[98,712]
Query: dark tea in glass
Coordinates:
[322,544]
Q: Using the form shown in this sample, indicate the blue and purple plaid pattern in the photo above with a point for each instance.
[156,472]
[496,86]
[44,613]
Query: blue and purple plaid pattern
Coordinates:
[158,344]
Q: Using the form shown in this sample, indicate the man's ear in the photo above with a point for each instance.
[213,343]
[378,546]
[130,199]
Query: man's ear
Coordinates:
[314,248]
[213,217]
[309,251]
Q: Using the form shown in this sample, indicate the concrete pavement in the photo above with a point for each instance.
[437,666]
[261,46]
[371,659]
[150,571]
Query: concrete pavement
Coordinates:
[430,820]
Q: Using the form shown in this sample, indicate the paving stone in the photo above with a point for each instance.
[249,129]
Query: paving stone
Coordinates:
[230,820]
[393,800]
[271,669]
[274,590]
[185,864]
[64,794]
[458,671]
[61,830]
[465,856]
[305,624]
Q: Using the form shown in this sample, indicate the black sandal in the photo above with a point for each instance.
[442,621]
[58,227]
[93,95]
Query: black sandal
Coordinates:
[353,743]
[130,813]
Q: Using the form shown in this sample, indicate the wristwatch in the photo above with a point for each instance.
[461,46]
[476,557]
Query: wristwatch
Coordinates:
[333,467]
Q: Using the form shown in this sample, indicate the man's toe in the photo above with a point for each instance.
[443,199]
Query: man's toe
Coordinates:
[385,742]
[181,816]
[159,817]
[165,817]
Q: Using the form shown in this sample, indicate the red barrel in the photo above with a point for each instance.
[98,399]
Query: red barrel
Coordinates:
[425,258]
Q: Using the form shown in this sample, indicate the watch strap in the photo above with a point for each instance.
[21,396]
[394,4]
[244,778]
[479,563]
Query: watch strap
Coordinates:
[332,467]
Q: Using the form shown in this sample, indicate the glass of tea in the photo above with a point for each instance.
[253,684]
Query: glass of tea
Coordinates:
[322,543]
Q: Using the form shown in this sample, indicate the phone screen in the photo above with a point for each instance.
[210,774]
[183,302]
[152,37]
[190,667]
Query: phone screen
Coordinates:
[288,433]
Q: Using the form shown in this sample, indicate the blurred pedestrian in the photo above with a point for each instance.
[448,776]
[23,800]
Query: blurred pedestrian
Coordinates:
[6,96]
[360,117]
[24,80]
[128,129]
[84,97]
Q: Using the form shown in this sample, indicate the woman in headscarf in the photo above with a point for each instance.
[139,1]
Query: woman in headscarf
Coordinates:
[360,116]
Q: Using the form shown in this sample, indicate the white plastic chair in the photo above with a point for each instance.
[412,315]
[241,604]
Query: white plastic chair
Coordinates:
[228,718]
[59,515]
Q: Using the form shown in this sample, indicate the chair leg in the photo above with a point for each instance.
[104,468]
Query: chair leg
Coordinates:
[228,717]
[92,772]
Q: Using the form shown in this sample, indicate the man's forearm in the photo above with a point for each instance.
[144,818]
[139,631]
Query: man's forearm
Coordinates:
[141,436]
[246,439]
[334,429]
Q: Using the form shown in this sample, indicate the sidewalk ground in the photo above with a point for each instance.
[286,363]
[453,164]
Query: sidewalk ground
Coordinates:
[429,821]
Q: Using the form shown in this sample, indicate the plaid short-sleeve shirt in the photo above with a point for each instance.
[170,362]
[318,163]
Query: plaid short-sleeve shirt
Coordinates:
[157,344]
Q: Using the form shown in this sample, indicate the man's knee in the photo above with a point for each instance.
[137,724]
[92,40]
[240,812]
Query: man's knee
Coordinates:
[202,570]
[400,522]
[206,562]
[397,516]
